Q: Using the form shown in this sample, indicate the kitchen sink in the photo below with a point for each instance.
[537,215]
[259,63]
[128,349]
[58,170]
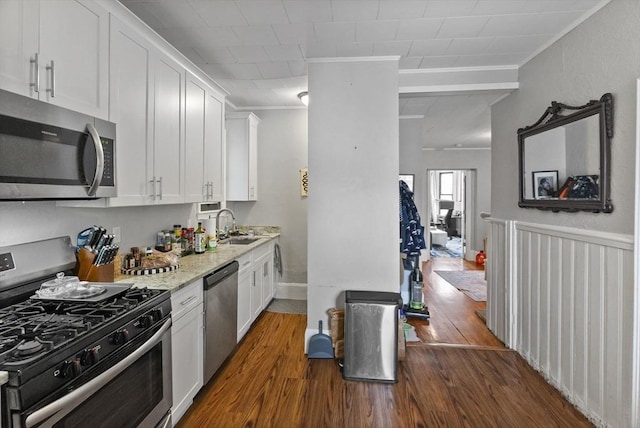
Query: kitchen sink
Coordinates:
[242,241]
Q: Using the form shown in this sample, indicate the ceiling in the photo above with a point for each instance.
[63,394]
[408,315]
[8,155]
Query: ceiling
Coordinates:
[257,49]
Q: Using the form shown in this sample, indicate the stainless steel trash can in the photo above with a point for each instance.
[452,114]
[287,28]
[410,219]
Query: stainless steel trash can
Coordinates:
[371,336]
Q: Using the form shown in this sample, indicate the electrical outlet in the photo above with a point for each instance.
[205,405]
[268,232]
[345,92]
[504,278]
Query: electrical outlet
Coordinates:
[116,233]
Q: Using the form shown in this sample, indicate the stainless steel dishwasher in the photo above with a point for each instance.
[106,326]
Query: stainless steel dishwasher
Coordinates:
[220,317]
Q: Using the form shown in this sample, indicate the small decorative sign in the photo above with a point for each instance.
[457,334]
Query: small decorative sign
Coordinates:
[304,182]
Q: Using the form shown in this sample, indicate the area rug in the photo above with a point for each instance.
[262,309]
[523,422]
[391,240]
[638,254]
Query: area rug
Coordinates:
[453,248]
[287,306]
[470,282]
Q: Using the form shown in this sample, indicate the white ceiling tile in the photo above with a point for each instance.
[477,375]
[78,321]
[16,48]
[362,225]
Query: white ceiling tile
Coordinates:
[219,13]
[320,50]
[170,13]
[236,85]
[462,27]
[340,32]
[473,46]
[218,71]
[354,49]
[308,11]
[449,8]
[298,68]
[263,12]
[401,9]
[256,35]
[399,47]
[274,70]
[373,31]
[418,29]
[490,60]
[249,54]
[288,34]
[354,10]
[499,7]
[215,54]
[516,44]
[529,24]
[270,84]
[284,53]
[211,36]
[429,47]
[243,71]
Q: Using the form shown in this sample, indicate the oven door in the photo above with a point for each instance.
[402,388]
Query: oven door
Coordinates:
[135,392]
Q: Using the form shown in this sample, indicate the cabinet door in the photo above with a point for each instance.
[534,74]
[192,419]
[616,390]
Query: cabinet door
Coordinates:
[195,101]
[130,93]
[267,280]
[187,352]
[166,183]
[19,25]
[213,149]
[244,302]
[75,36]
[256,291]
[253,160]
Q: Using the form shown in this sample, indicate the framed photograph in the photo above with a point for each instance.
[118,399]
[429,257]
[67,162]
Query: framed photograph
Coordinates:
[545,184]
[407,178]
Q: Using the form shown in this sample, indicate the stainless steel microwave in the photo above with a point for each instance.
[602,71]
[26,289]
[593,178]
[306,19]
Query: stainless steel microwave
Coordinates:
[49,152]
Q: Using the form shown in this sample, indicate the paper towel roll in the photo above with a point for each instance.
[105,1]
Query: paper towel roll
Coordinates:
[210,225]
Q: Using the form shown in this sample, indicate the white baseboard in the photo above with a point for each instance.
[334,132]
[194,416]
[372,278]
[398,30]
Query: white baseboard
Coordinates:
[293,291]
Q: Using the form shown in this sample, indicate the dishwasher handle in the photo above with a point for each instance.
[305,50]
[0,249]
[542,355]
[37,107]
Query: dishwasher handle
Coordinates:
[212,280]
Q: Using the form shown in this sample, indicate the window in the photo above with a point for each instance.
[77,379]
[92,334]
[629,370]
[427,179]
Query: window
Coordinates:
[445,188]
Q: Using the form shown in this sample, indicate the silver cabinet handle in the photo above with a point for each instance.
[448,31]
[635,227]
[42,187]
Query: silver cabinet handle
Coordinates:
[187,300]
[160,182]
[97,177]
[35,85]
[77,396]
[153,191]
[52,91]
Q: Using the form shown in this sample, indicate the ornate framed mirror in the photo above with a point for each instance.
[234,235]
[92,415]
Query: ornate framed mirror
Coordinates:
[564,158]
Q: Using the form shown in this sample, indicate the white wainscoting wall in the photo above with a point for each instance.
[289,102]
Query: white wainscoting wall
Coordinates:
[563,298]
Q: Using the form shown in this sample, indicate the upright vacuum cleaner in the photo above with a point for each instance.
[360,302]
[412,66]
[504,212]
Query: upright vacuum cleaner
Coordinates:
[416,307]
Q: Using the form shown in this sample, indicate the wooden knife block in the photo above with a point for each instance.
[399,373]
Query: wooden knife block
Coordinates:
[87,271]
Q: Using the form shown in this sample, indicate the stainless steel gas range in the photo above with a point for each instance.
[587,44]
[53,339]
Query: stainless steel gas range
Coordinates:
[105,362]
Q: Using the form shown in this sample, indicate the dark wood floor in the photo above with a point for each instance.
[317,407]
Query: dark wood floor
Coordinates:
[459,375]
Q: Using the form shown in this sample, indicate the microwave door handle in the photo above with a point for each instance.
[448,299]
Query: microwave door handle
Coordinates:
[77,396]
[97,178]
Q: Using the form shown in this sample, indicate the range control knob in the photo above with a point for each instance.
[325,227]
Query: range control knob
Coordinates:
[157,314]
[69,369]
[145,321]
[120,337]
[90,356]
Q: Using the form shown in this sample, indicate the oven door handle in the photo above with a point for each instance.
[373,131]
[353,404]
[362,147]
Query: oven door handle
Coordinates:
[97,143]
[75,397]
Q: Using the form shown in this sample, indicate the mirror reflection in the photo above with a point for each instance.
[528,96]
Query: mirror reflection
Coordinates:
[564,158]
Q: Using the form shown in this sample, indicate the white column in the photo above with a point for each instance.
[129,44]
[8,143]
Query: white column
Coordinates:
[353,202]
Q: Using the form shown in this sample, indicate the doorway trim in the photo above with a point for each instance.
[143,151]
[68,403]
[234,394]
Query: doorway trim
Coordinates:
[470,214]
[635,382]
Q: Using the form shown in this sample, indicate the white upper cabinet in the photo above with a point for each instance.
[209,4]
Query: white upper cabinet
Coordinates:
[204,115]
[166,184]
[59,52]
[242,156]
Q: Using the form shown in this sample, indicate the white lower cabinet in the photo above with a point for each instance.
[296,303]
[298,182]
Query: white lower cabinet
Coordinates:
[255,285]
[187,346]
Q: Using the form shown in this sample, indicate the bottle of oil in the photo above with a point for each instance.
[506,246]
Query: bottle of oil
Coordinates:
[199,244]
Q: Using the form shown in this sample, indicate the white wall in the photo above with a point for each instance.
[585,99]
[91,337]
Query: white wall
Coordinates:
[353,181]
[599,56]
[32,221]
[411,163]
[282,151]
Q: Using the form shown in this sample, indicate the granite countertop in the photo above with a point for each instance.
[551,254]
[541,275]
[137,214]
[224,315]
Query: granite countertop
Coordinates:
[196,266]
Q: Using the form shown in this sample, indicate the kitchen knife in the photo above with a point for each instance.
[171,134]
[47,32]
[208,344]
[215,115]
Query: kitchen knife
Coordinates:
[95,237]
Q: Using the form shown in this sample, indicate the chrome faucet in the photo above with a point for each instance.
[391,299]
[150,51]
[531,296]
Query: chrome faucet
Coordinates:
[233,217]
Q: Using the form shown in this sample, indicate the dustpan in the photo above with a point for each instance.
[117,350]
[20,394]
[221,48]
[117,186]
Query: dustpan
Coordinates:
[320,345]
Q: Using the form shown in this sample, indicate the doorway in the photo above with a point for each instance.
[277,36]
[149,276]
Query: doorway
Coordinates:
[450,205]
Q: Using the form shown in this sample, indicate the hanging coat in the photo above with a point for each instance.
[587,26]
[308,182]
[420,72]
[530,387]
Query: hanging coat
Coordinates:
[411,231]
